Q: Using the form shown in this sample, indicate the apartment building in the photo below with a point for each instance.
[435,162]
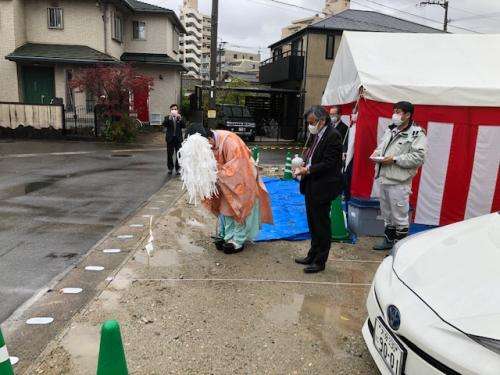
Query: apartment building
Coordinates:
[206,44]
[239,64]
[45,42]
[191,42]
[330,8]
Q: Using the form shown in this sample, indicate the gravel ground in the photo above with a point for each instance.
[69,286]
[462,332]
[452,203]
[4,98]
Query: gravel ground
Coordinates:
[194,310]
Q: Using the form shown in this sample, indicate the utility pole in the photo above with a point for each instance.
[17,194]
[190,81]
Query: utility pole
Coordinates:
[443,4]
[213,62]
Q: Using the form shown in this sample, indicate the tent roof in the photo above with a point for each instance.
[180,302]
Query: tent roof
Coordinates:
[434,69]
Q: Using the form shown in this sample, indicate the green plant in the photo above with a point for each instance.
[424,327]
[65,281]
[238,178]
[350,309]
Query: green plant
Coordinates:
[122,131]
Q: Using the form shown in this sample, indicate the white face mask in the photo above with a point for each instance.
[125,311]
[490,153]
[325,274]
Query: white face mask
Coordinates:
[397,120]
[174,112]
[313,129]
[334,118]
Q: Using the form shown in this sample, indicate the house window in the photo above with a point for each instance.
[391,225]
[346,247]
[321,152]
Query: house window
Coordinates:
[277,53]
[117,28]
[330,46]
[235,56]
[251,57]
[139,30]
[296,46]
[55,18]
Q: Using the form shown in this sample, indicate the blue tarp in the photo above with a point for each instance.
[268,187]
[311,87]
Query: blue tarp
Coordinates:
[289,211]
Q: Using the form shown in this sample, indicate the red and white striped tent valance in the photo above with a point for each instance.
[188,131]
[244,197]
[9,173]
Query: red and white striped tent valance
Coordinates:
[460,178]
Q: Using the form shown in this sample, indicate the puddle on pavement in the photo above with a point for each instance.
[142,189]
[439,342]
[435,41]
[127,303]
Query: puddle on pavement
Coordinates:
[82,343]
[312,310]
[159,258]
[25,189]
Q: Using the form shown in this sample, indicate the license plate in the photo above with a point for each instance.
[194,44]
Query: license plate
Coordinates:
[389,348]
[242,130]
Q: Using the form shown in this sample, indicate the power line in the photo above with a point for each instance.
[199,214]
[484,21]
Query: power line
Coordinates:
[408,13]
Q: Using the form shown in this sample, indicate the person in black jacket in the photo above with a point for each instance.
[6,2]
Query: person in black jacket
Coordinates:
[321,183]
[173,135]
[343,129]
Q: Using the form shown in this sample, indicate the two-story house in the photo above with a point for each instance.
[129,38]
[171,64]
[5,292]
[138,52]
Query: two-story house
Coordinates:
[304,59]
[45,42]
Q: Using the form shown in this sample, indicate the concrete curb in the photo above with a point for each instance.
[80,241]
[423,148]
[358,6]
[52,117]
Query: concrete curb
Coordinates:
[30,343]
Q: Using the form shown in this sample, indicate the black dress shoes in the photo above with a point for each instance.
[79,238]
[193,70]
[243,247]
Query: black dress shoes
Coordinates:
[305,261]
[314,268]
[219,244]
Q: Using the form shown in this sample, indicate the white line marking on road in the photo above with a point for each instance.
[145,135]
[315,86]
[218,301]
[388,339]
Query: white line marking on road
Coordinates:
[41,320]
[147,216]
[125,237]
[14,360]
[112,251]
[94,268]
[333,260]
[71,290]
[259,281]
[136,225]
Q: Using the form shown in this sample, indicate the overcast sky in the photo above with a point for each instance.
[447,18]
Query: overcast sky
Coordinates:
[258,23]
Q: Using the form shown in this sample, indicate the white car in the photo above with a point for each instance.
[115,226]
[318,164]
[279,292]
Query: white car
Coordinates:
[434,305]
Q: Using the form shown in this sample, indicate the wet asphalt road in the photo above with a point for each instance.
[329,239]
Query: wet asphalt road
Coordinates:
[57,199]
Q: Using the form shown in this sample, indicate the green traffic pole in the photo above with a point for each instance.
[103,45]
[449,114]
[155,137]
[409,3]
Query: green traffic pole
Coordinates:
[111,354]
[5,365]
[338,222]
[288,167]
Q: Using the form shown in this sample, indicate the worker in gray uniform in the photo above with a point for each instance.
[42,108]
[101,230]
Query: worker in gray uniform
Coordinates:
[398,156]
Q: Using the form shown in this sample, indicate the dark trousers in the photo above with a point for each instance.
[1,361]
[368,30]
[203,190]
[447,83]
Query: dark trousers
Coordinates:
[173,147]
[318,218]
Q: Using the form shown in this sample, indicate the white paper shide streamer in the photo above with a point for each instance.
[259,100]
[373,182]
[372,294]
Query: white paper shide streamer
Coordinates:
[198,168]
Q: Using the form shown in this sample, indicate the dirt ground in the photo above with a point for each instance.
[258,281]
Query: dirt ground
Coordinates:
[194,310]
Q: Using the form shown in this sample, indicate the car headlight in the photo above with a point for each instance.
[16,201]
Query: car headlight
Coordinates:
[491,344]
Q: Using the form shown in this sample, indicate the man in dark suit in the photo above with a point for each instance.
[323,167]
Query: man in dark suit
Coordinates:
[343,129]
[321,183]
[173,135]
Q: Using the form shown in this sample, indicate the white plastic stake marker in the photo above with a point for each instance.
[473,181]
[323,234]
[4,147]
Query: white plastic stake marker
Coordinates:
[111,251]
[71,290]
[41,320]
[125,237]
[94,268]
[13,360]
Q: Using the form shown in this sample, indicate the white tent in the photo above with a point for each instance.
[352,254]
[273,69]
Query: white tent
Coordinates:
[434,69]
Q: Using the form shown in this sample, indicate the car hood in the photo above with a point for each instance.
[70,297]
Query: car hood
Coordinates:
[456,270]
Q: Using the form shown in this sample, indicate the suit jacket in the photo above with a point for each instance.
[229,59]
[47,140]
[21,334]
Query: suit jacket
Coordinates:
[170,134]
[324,181]
[342,128]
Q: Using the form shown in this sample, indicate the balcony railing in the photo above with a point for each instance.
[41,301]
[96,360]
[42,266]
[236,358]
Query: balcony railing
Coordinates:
[288,66]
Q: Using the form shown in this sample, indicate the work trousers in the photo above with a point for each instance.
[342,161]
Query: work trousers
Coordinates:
[395,206]
[318,218]
[172,148]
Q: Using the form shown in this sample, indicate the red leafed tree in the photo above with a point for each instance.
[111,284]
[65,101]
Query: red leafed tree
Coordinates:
[112,85]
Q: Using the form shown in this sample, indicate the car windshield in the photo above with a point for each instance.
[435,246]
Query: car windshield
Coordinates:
[237,111]
[227,111]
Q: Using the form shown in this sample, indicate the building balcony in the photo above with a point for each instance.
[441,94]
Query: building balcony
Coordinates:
[288,66]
